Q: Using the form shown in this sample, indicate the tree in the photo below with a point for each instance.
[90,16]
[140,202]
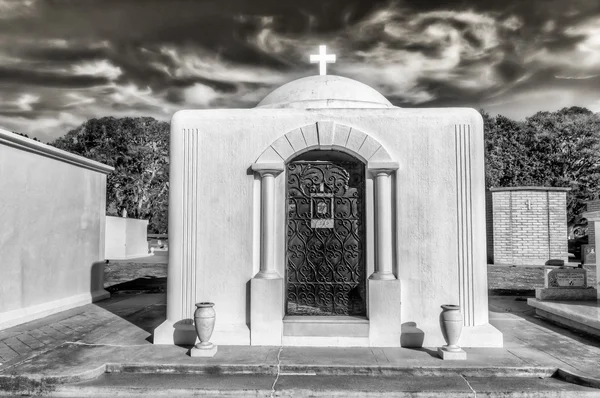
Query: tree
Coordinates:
[508,162]
[138,149]
[26,136]
[553,149]
[566,147]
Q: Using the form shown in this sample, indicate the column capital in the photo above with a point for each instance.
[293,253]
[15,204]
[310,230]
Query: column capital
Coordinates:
[268,168]
[273,169]
[382,167]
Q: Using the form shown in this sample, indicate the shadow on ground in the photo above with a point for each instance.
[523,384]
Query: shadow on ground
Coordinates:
[138,293]
[145,284]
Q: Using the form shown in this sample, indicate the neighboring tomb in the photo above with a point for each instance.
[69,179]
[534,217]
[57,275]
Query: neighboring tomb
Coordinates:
[593,218]
[526,225]
[574,307]
[567,300]
[565,278]
[326,216]
[588,251]
[565,283]
[126,238]
[588,254]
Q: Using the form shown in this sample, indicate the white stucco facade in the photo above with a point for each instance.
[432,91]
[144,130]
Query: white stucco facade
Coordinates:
[52,207]
[425,217]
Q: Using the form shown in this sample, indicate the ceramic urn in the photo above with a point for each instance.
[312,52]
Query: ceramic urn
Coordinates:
[451,322]
[204,322]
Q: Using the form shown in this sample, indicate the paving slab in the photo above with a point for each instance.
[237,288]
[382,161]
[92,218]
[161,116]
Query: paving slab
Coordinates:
[17,345]
[538,341]
[112,339]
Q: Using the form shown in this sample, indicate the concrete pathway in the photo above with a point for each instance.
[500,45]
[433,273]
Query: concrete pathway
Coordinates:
[98,348]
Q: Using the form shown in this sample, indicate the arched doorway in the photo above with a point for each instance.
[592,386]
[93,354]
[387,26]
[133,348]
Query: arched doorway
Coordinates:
[325,245]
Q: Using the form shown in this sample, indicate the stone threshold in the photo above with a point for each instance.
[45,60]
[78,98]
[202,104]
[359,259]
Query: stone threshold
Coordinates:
[325,326]
[325,319]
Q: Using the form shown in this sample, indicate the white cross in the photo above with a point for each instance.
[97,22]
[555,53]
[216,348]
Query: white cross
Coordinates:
[322,58]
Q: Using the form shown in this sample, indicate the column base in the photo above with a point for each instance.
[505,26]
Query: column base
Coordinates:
[378,276]
[384,312]
[267,275]
[266,311]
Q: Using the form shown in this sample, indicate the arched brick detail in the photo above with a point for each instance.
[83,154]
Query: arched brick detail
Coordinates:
[327,135]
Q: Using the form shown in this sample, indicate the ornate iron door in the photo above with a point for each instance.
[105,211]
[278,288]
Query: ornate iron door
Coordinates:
[325,238]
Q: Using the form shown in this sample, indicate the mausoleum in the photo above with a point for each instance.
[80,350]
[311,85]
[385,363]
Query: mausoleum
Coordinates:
[326,216]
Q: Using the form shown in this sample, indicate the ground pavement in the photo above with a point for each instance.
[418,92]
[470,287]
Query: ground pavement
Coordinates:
[105,349]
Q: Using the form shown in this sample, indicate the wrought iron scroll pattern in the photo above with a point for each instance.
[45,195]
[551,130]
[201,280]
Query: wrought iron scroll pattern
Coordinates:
[325,239]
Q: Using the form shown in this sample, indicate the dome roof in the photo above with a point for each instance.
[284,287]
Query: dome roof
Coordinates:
[325,91]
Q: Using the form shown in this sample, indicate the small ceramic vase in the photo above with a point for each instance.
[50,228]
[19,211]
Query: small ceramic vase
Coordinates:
[204,322]
[451,322]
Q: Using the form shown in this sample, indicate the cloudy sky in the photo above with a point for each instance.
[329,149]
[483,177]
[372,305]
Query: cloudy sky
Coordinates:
[65,61]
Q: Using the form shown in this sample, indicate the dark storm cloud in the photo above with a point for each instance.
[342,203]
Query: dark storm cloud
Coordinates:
[65,55]
[64,61]
[48,79]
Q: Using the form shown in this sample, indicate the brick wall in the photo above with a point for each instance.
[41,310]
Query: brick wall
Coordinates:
[557,222]
[528,225]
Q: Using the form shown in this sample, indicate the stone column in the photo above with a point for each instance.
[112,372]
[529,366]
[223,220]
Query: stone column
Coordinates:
[383,223]
[268,172]
[384,289]
[266,288]
[594,217]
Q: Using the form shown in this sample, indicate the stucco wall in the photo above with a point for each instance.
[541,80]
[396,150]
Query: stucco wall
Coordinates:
[588,252]
[126,238]
[52,207]
[592,205]
[438,207]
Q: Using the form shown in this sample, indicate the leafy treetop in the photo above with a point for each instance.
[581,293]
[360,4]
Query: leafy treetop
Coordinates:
[138,149]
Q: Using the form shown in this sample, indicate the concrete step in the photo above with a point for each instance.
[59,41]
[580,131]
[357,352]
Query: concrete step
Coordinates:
[287,384]
[579,315]
[331,370]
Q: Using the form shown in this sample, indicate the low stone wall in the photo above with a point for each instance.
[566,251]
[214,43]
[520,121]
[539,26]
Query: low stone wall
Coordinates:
[52,206]
[126,238]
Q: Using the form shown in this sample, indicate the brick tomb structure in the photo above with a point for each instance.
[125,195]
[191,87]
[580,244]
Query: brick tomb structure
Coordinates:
[526,225]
